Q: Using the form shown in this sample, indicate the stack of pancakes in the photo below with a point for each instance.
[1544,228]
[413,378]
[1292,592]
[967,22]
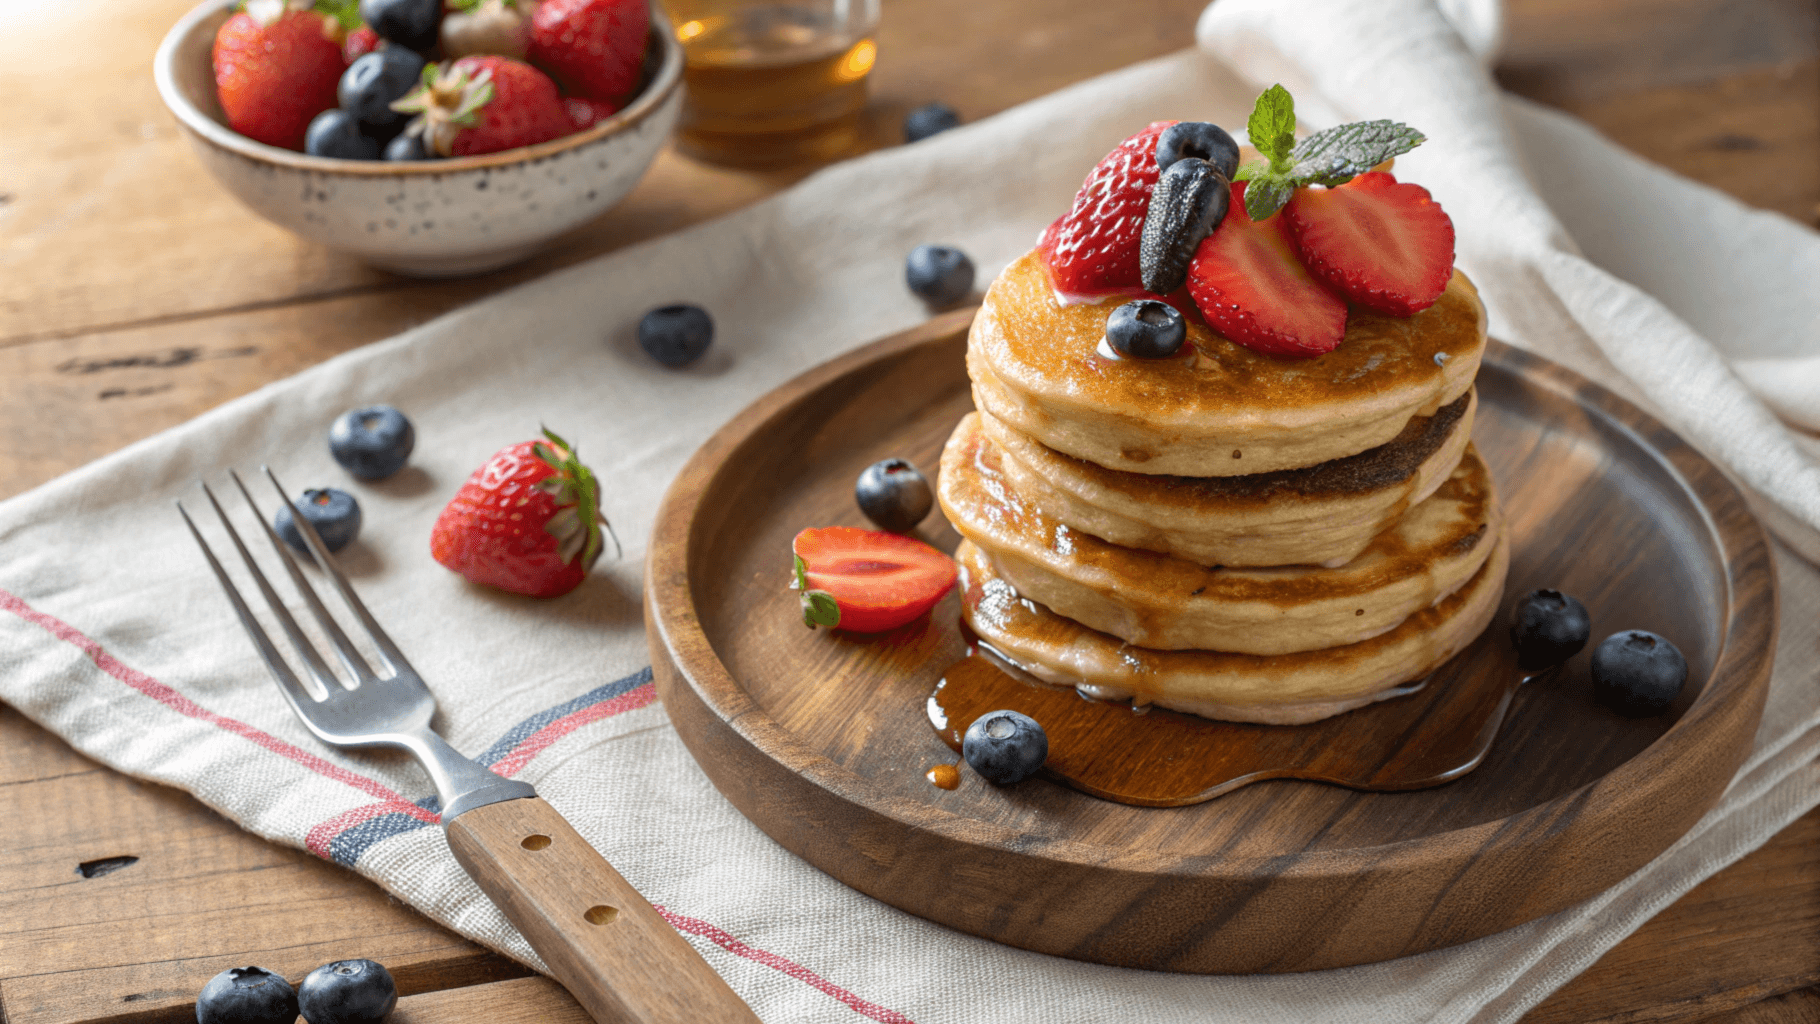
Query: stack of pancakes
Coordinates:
[1223,533]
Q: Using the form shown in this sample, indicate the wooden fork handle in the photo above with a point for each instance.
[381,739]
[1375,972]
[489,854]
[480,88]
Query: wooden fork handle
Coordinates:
[613,952]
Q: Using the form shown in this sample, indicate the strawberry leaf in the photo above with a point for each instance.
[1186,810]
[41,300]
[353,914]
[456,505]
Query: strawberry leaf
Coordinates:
[819,607]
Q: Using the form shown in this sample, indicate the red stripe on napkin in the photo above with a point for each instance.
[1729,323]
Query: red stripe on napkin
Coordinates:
[184,706]
[533,745]
[721,938]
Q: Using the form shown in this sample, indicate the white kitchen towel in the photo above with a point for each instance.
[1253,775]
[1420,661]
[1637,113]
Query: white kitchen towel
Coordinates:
[114,636]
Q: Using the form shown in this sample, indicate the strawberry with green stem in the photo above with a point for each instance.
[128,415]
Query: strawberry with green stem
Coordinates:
[867,581]
[277,63]
[527,521]
[477,27]
[484,104]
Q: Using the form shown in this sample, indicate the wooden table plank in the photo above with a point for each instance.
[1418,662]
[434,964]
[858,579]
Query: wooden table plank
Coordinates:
[138,294]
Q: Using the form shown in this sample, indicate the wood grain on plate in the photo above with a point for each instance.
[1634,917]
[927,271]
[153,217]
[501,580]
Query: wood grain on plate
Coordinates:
[820,738]
[118,265]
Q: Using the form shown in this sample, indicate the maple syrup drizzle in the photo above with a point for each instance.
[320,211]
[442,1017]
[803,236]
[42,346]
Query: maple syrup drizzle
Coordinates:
[1155,757]
[944,776]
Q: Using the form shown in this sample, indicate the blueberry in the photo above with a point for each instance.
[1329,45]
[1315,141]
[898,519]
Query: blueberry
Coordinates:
[335,515]
[1189,201]
[372,442]
[408,147]
[347,992]
[676,335]
[370,84]
[1637,673]
[335,133]
[1146,329]
[930,119]
[246,995]
[1201,139]
[939,274]
[1005,747]
[413,24]
[893,495]
[1548,627]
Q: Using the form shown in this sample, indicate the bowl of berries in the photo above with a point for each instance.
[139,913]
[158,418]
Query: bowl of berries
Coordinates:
[426,137]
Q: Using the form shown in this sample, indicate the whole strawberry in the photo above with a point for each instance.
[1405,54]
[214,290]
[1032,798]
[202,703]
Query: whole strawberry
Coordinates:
[1093,248]
[595,48]
[276,67]
[528,521]
[484,105]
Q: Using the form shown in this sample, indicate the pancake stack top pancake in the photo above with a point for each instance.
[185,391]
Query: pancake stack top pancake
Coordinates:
[1275,514]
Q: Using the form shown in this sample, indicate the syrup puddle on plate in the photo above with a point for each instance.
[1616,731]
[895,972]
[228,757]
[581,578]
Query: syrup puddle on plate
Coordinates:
[1154,757]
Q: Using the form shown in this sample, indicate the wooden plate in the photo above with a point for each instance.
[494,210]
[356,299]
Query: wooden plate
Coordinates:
[821,740]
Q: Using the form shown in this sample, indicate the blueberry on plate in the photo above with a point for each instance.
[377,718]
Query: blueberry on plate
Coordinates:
[408,147]
[1005,747]
[347,992]
[335,133]
[1548,627]
[676,335]
[413,24]
[1146,329]
[893,495]
[929,119]
[372,441]
[246,995]
[375,80]
[1200,139]
[334,514]
[940,275]
[1636,673]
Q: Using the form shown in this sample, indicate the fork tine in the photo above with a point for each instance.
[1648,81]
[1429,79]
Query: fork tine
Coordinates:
[319,670]
[349,655]
[389,651]
[288,683]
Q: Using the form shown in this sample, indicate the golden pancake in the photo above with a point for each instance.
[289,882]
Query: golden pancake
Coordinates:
[1287,689]
[1322,515]
[1160,601]
[1218,409]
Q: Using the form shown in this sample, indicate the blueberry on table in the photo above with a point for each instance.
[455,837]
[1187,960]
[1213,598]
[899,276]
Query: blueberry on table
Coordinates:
[335,133]
[676,335]
[1637,673]
[1005,747]
[1548,627]
[334,514]
[246,995]
[929,119]
[1200,139]
[940,275]
[893,495]
[408,147]
[372,441]
[347,992]
[1146,329]
[375,80]
[412,24]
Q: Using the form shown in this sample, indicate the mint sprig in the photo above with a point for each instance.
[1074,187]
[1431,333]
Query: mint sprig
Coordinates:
[819,607]
[1331,157]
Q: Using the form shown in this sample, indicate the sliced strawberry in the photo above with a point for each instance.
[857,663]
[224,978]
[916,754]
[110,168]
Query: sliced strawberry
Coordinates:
[878,580]
[1385,245]
[1250,287]
[1093,248]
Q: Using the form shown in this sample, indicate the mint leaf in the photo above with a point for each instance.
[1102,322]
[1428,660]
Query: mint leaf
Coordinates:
[1265,196]
[1337,155]
[1271,126]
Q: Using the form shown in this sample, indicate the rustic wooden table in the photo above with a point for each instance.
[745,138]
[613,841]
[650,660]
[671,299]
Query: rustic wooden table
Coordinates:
[135,294]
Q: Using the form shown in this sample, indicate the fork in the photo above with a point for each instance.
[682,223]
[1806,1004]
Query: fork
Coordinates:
[602,940]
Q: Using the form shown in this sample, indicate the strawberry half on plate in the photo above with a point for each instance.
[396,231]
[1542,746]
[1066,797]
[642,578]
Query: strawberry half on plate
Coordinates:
[867,581]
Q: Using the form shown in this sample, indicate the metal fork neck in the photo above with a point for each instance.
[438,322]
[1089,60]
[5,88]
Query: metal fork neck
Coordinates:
[461,783]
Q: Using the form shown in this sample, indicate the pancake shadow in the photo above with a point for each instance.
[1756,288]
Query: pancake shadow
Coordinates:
[409,482]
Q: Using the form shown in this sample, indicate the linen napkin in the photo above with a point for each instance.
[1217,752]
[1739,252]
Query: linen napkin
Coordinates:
[114,636]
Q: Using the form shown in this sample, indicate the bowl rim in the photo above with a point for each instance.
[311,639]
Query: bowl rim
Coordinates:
[663,84]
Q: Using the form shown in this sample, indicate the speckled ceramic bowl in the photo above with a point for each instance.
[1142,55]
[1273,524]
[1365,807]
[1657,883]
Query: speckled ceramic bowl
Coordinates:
[435,218]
